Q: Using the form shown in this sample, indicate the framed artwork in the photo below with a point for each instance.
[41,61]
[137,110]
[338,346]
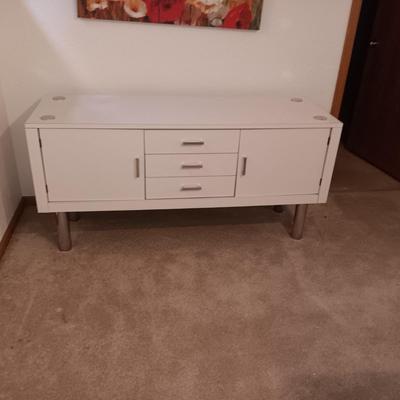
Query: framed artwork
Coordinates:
[233,14]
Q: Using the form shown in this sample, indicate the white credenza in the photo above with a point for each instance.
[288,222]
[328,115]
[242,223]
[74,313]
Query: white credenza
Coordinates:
[97,153]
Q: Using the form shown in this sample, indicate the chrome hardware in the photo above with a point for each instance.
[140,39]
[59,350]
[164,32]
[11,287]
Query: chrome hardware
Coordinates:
[320,117]
[137,167]
[374,44]
[188,188]
[64,234]
[244,166]
[193,143]
[47,117]
[299,221]
[194,166]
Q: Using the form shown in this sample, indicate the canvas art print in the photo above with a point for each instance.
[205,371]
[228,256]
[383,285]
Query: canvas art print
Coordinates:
[234,14]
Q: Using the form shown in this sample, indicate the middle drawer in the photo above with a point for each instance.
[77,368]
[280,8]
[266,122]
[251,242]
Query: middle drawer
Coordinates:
[174,165]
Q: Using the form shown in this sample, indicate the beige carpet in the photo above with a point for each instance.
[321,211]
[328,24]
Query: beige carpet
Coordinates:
[354,174]
[206,305]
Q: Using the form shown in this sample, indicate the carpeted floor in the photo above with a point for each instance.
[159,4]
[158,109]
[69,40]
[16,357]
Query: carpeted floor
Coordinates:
[208,304]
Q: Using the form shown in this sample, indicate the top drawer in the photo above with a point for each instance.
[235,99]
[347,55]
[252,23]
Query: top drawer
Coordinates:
[191,141]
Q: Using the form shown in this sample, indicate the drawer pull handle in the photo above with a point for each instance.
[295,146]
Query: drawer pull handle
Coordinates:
[137,168]
[244,166]
[189,188]
[193,143]
[194,166]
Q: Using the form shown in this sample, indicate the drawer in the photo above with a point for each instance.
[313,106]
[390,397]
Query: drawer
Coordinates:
[191,141]
[162,165]
[181,188]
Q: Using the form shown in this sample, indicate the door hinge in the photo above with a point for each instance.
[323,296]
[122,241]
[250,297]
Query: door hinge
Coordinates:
[47,189]
[329,141]
[320,182]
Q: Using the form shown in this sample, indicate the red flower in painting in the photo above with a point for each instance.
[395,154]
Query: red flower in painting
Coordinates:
[165,10]
[238,17]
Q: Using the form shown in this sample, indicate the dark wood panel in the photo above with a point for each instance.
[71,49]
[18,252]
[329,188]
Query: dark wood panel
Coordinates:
[375,129]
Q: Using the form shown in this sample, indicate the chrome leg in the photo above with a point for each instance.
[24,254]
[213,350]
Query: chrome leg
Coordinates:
[64,234]
[299,220]
[74,216]
[278,209]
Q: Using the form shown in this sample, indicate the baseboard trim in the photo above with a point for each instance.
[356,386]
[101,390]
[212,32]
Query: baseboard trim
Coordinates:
[25,201]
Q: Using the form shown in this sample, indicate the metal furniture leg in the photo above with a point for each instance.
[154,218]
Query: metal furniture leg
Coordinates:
[74,216]
[64,234]
[299,220]
[278,209]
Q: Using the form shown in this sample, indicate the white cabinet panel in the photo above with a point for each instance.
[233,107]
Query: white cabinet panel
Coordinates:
[281,161]
[192,141]
[169,165]
[93,164]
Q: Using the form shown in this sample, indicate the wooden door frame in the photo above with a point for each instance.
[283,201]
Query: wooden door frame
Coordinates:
[348,46]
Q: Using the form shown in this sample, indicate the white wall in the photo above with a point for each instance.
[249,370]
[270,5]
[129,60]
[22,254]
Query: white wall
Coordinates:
[49,50]
[10,193]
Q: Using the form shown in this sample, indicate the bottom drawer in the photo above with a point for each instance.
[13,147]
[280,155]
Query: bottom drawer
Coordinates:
[182,188]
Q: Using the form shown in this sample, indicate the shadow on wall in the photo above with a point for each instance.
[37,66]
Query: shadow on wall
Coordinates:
[10,191]
[17,132]
[23,87]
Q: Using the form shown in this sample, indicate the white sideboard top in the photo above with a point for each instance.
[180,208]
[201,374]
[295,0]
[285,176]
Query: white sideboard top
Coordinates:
[179,112]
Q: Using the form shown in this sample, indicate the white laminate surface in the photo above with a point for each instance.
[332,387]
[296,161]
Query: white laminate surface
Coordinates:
[178,112]
[190,187]
[170,165]
[281,162]
[93,164]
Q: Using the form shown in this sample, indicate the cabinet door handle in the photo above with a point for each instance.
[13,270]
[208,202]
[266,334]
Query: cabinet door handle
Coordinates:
[194,165]
[193,143]
[244,166]
[190,187]
[137,167]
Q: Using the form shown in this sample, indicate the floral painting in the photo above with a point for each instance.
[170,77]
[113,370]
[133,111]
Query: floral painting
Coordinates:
[234,14]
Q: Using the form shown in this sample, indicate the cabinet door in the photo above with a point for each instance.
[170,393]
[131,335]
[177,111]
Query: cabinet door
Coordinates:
[281,161]
[93,164]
